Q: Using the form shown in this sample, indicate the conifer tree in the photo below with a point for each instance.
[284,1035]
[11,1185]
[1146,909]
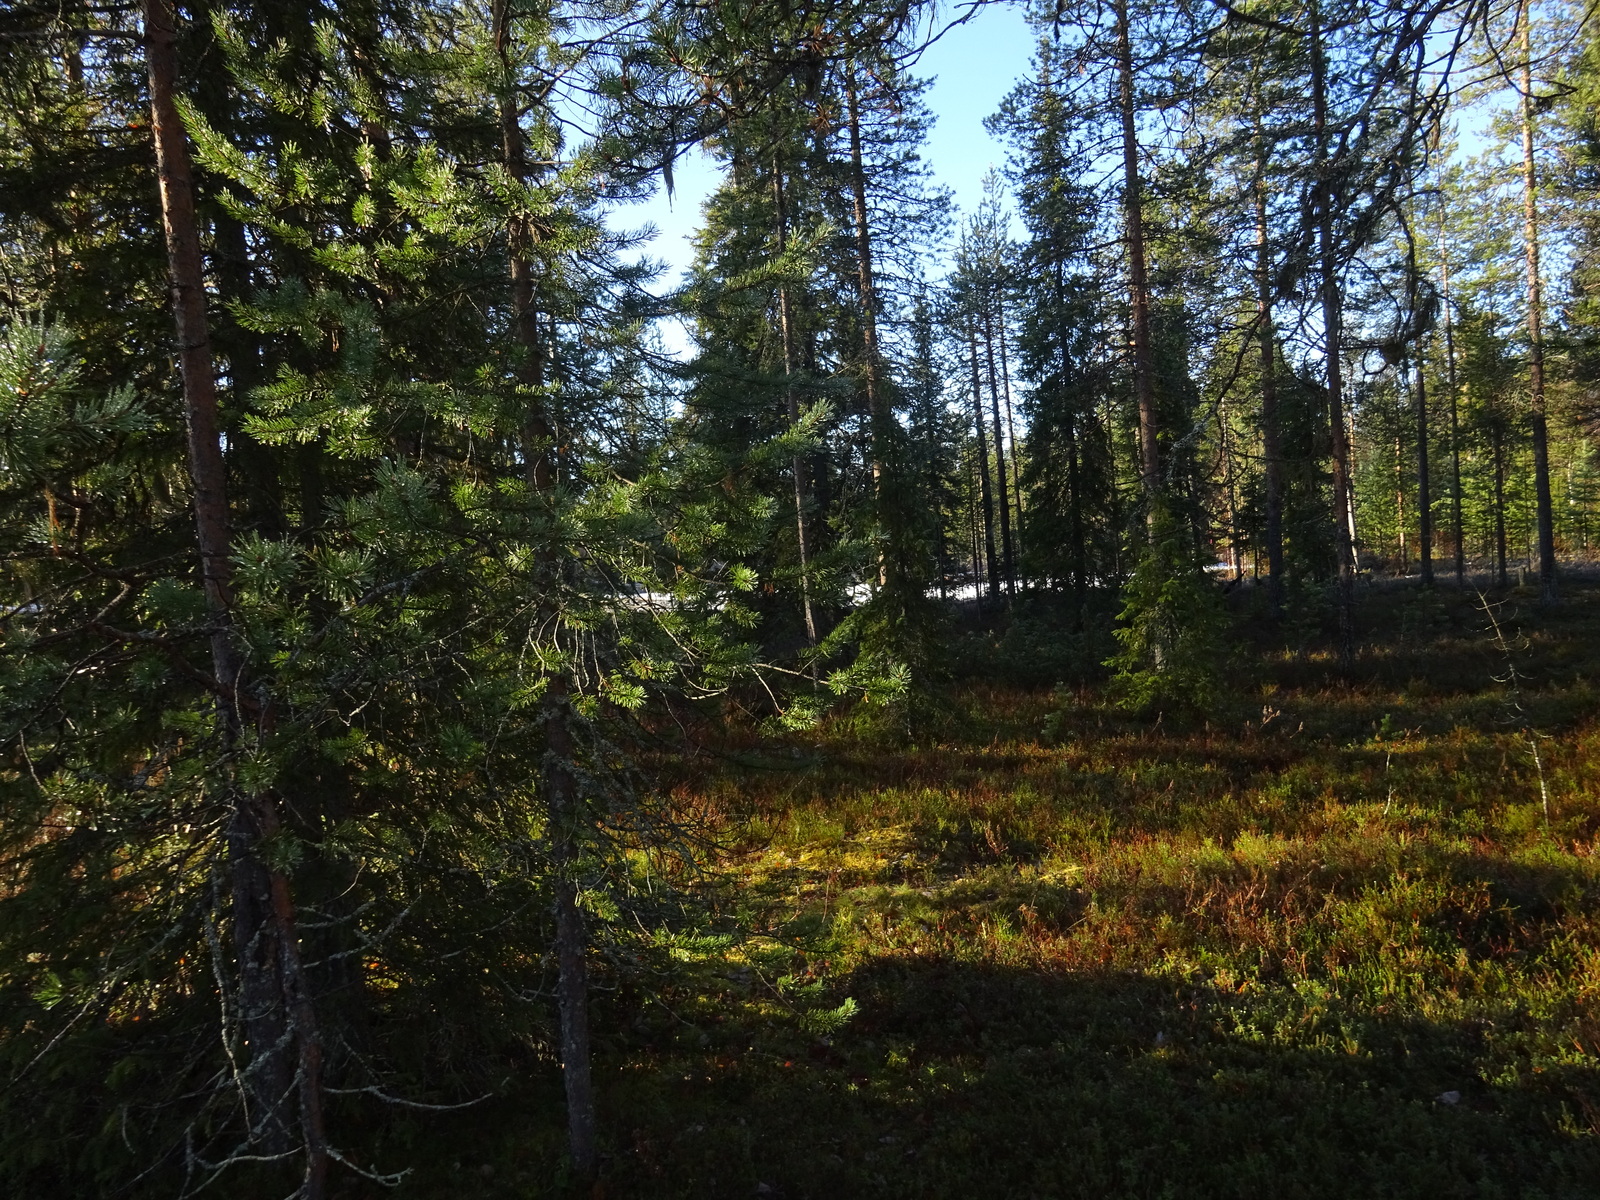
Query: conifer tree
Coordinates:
[1071,512]
[458,344]
[979,284]
[277,1010]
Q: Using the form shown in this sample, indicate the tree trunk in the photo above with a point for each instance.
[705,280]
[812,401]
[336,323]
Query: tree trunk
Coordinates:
[1458,527]
[1007,555]
[276,1010]
[572,943]
[1400,499]
[975,544]
[820,476]
[1080,556]
[792,406]
[1271,436]
[1230,479]
[1344,539]
[1424,483]
[1138,278]
[1011,429]
[1416,368]
[983,463]
[877,403]
[186,267]
[1499,450]
[563,802]
[1541,440]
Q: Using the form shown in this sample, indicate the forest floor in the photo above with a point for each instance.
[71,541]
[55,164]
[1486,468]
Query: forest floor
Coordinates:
[1338,937]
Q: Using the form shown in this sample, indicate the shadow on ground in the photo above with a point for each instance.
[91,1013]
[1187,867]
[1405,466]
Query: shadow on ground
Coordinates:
[963,1080]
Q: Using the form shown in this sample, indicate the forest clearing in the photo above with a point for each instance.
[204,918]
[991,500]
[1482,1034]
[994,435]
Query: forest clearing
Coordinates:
[799,598]
[1328,944]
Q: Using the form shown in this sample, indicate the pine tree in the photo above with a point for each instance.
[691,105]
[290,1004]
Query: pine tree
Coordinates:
[1072,520]
[447,763]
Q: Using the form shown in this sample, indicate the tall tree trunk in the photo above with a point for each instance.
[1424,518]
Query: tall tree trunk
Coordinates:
[877,403]
[1104,422]
[1457,518]
[1007,555]
[792,405]
[975,544]
[1079,547]
[1424,479]
[1541,440]
[1458,527]
[255,931]
[1011,428]
[1138,276]
[1498,447]
[1271,434]
[983,462]
[1424,482]
[1344,538]
[820,476]
[1230,478]
[572,943]
[1080,555]
[187,273]
[279,1021]
[541,467]
[1400,499]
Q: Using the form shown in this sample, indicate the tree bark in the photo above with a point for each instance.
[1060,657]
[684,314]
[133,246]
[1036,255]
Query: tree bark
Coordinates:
[1271,435]
[983,463]
[877,403]
[1536,397]
[1417,365]
[975,545]
[1007,556]
[1138,276]
[1498,448]
[1231,482]
[792,405]
[1457,524]
[1400,500]
[1074,459]
[277,1014]
[187,276]
[276,1011]
[1011,429]
[1424,482]
[563,802]
[1344,539]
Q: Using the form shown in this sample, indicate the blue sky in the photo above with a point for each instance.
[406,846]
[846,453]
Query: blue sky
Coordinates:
[973,67]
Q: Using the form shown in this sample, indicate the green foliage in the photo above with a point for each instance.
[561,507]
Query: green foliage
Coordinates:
[1044,639]
[1171,629]
[46,419]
